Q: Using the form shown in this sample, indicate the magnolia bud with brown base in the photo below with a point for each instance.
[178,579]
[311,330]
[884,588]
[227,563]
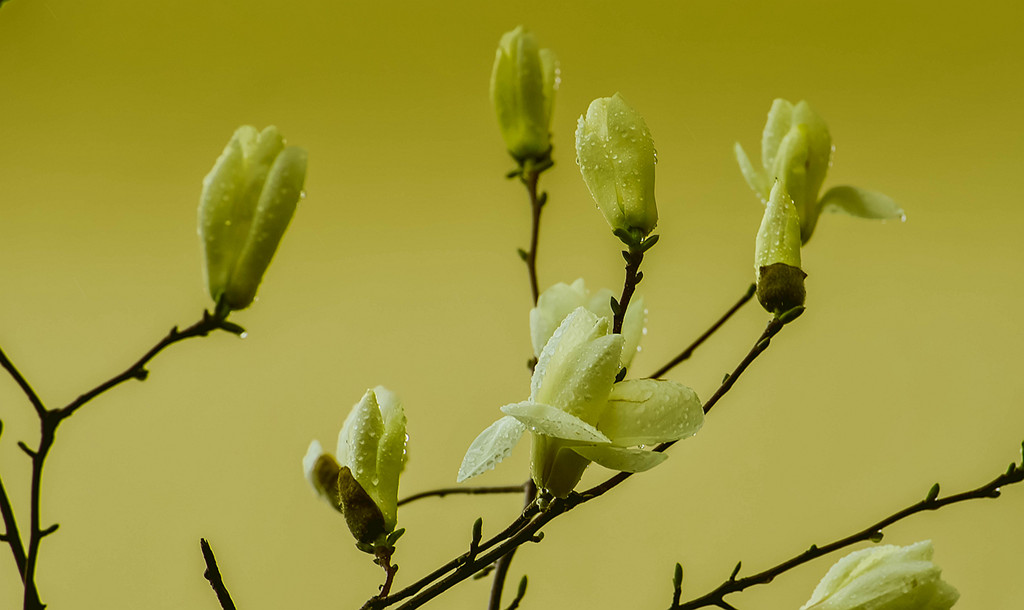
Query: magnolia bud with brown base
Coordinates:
[364,518]
[780,288]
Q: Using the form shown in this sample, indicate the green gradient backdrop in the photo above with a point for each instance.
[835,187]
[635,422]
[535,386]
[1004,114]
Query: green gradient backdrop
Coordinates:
[400,269]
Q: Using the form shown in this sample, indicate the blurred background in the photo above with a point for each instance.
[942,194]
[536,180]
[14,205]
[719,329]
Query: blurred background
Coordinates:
[400,269]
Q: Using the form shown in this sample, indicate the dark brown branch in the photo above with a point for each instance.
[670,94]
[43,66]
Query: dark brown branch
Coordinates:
[471,491]
[688,352]
[11,535]
[209,322]
[212,574]
[22,383]
[1015,474]
[50,420]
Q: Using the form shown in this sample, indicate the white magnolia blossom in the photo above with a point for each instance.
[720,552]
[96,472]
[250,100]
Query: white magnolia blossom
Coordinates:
[562,299]
[884,578]
[372,445]
[796,150]
[578,414]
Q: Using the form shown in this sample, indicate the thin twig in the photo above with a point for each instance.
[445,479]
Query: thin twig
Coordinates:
[688,352]
[212,574]
[1015,474]
[471,491]
[11,535]
[50,420]
[22,383]
[634,256]
[202,328]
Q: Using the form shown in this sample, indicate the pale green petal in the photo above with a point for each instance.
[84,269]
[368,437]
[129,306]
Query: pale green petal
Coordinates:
[756,178]
[359,439]
[579,384]
[650,411]
[552,421]
[555,466]
[884,578]
[553,305]
[220,232]
[574,367]
[490,447]
[549,67]
[861,203]
[322,470]
[276,204]
[780,119]
[619,458]
[819,147]
[791,170]
[391,455]
[778,238]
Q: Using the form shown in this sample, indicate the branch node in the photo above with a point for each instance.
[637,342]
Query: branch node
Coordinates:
[24,447]
[735,571]
[537,537]
[46,532]
[141,374]
[520,594]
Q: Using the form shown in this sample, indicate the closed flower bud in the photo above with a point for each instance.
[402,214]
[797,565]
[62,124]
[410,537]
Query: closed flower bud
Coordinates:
[796,150]
[362,482]
[523,84]
[248,198]
[616,155]
[884,578]
[780,281]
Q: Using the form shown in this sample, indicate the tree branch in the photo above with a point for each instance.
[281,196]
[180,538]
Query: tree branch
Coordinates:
[688,352]
[470,491]
[212,574]
[208,323]
[22,383]
[1014,474]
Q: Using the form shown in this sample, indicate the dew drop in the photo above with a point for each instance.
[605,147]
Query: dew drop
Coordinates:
[243,335]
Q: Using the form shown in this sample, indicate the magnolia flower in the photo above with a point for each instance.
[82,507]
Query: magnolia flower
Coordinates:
[615,152]
[884,578]
[560,300]
[796,150]
[523,84]
[362,483]
[578,414]
[247,201]
[780,281]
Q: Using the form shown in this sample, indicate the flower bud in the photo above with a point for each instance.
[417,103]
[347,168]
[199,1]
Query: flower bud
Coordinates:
[363,482]
[780,281]
[523,84]
[796,150]
[248,198]
[884,578]
[616,155]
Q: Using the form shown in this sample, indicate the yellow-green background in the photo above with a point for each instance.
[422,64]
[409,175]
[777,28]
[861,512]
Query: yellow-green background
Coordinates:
[400,269]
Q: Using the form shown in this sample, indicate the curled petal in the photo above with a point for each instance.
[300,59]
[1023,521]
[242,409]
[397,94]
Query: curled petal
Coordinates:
[756,178]
[861,203]
[621,458]
[490,447]
[649,411]
[554,422]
